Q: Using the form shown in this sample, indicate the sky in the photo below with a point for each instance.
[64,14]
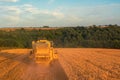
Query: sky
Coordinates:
[58,13]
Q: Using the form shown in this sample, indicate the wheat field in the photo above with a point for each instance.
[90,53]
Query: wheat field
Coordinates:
[72,64]
[91,64]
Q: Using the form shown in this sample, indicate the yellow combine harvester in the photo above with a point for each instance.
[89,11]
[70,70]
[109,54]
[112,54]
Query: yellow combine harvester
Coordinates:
[43,51]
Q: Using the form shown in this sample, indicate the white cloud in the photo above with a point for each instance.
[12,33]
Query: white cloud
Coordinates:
[30,9]
[14,10]
[100,14]
[29,15]
[58,14]
[12,18]
[33,10]
[9,15]
[8,0]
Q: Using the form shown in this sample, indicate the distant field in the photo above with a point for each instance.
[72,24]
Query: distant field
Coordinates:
[73,64]
[26,28]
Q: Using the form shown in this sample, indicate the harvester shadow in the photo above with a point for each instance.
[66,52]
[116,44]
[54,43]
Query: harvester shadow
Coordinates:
[58,71]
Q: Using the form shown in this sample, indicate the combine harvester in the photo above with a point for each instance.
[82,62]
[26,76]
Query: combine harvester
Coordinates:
[48,66]
[43,52]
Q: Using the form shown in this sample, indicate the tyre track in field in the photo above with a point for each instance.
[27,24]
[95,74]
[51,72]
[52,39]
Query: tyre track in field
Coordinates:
[7,56]
[7,64]
[14,73]
[18,70]
[5,69]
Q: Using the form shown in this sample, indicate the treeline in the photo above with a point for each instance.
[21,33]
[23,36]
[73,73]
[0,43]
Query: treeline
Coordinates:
[93,37]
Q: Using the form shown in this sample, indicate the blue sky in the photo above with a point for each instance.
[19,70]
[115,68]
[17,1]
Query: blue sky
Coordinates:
[30,13]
